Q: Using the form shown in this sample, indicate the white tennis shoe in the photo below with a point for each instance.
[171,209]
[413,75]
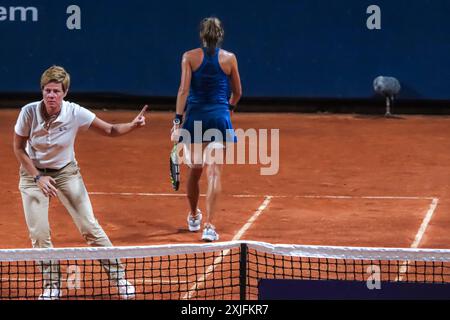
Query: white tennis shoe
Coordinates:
[126,289]
[210,234]
[50,293]
[194,223]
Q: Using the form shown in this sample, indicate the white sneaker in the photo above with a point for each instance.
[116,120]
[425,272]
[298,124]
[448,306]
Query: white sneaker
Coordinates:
[51,293]
[194,223]
[126,289]
[210,234]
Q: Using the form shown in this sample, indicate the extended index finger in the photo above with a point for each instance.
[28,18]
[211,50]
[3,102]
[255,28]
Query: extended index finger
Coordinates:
[143,110]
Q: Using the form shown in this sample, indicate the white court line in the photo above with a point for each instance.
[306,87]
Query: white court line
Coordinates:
[263,206]
[419,236]
[253,218]
[149,194]
[366,197]
[199,283]
[143,194]
[425,222]
[403,269]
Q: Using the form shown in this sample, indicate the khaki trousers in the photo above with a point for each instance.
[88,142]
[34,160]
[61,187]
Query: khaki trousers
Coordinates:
[73,195]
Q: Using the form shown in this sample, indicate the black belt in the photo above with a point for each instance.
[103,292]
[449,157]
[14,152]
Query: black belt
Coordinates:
[50,170]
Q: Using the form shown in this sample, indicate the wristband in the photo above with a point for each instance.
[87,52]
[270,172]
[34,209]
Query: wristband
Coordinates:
[36,178]
[178,119]
[231,107]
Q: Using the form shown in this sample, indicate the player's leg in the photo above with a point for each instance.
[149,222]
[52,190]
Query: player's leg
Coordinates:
[193,154]
[214,172]
[35,205]
[214,161]
[193,188]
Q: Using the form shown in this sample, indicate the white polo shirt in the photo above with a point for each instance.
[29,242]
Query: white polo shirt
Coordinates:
[53,148]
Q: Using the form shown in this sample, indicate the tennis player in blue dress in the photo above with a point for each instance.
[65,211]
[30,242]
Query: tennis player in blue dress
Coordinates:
[210,88]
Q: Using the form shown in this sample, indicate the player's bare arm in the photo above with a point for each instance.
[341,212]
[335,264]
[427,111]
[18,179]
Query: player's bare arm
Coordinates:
[185,82]
[235,81]
[183,90]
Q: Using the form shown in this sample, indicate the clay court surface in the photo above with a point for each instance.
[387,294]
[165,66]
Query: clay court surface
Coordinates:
[348,180]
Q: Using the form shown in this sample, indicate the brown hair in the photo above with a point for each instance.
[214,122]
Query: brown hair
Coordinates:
[211,33]
[56,74]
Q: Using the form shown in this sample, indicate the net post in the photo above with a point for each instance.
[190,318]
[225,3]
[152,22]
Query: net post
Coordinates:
[388,107]
[243,271]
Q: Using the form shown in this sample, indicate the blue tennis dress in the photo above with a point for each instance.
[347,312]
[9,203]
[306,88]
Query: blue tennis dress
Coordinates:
[207,103]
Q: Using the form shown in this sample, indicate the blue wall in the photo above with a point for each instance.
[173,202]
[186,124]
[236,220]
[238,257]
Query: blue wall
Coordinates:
[290,48]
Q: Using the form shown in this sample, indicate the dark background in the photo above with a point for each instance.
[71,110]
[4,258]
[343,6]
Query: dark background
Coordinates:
[315,54]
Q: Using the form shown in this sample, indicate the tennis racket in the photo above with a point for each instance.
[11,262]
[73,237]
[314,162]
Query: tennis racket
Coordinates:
[174,168]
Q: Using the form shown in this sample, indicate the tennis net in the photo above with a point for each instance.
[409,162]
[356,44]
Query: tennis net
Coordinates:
[216,271]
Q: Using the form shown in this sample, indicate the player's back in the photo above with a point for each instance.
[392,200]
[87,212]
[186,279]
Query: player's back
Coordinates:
[209,83]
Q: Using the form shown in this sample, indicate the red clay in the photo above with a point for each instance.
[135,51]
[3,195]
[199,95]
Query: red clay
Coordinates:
[319,155]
